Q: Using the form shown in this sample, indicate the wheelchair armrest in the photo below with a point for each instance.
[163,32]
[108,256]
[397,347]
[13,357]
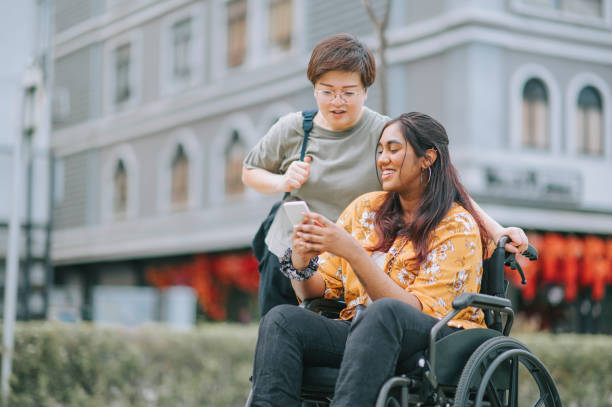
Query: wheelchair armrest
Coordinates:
[485,301]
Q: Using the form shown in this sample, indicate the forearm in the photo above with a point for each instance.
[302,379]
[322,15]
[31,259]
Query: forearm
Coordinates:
[261,180]
[490,224]
[314,287]
[376,283]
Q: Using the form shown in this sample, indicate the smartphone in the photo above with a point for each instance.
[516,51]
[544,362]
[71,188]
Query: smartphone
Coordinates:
[294,210]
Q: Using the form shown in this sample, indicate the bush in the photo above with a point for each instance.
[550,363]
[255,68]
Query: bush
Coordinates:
[580,364]
[83,365]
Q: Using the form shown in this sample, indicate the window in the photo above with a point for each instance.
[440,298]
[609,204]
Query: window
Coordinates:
[236,32]
[180,178]
[590,138]
[122,73]
[120,189]
[181,45]
[585,8]
[280,25]
[535,115]
[181,51]
[234,155]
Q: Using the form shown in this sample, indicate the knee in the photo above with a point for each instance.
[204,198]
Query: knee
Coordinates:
[383,309]
[387,314]
[280,317]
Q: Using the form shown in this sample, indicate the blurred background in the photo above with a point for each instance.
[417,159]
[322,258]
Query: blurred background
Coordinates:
[124,125]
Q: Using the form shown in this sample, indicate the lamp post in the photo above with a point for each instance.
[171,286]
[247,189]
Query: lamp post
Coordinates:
[30,119]
[32,83]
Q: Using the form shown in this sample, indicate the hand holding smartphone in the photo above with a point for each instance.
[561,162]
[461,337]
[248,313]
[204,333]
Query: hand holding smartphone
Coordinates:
[294,210]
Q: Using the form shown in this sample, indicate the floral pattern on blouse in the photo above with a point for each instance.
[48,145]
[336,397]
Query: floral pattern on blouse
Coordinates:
[453,264]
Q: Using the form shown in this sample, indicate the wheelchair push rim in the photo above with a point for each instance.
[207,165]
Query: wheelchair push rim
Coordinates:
[490,376]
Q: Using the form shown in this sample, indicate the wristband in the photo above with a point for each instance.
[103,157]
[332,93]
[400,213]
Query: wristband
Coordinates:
[287,269]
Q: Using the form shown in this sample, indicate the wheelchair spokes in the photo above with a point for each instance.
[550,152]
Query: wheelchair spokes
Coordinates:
[503,372]
[392,402]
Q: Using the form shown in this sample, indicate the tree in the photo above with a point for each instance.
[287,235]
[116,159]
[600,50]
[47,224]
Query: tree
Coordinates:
[380,24]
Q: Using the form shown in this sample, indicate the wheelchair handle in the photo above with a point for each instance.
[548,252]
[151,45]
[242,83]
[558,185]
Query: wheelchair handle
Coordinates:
[510,258]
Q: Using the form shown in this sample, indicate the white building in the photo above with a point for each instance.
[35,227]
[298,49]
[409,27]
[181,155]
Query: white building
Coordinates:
[157,101]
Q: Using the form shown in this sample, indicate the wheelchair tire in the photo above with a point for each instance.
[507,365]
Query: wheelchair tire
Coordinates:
[492,373]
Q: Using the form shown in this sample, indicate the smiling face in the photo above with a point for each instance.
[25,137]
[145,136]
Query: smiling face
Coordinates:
[339,114]
[399,166]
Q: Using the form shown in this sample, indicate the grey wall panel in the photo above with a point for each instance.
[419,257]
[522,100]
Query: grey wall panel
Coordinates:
[73,73]
[71,12]
[95,83]
[71,212]
[92,201]
[326,18]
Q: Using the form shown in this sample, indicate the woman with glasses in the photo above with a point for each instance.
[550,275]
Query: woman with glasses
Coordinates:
[336,169]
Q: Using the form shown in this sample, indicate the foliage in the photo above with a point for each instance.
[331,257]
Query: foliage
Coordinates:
[84,365]
[580,364]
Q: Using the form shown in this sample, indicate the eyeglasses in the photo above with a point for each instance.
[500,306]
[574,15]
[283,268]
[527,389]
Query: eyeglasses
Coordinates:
[347,96]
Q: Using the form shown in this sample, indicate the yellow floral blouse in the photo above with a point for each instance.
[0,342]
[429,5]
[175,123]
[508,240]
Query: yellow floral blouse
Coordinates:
[453,265]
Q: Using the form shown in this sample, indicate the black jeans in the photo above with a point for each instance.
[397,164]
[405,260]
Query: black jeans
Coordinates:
[367,352]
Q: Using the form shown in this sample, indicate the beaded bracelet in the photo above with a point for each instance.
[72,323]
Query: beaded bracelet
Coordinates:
[287,269]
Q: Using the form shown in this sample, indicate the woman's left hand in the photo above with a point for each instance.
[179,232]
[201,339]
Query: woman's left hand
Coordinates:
[322,235]
[518,239]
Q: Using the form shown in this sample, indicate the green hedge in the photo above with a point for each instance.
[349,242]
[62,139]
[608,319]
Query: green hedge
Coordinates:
[82,365]
[580,364]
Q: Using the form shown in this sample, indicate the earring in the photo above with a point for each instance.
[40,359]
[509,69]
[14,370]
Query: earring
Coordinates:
[428,177]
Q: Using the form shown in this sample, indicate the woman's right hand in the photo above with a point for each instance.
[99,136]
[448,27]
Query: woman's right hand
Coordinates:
[300,254]
[295,176]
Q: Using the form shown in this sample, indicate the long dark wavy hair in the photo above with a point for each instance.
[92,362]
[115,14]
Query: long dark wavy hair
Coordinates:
[443,188]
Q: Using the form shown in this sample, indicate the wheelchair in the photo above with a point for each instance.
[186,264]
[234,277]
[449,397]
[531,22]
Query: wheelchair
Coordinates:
[472,367]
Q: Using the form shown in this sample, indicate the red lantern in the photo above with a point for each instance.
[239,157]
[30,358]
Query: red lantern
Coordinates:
[596,266]
[573,254]
[552,255]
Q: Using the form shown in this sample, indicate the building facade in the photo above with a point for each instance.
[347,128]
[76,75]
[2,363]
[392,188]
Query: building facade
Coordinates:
[156,103]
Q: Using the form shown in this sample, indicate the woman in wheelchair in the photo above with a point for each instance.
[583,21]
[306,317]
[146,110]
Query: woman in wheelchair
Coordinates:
[405,252]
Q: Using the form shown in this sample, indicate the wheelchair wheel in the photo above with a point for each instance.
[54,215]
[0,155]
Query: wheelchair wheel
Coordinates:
[503,372]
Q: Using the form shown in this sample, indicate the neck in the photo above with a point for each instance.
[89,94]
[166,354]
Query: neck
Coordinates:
[409,201]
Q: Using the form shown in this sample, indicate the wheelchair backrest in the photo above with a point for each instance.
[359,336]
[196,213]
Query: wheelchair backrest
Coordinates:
[494,283]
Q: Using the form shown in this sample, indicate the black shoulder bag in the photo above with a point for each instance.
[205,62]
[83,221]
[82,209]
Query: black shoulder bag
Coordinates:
[274,288]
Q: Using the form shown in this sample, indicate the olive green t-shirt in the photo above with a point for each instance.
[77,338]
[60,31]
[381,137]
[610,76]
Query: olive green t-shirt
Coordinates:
[343,163]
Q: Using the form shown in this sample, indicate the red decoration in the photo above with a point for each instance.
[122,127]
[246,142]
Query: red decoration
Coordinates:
[571,269]
[553,254]
[211,277]
[609,256]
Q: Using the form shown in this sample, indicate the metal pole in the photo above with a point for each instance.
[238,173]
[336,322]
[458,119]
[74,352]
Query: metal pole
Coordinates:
[46,133]
[12,269]
[27,264]
[49,270]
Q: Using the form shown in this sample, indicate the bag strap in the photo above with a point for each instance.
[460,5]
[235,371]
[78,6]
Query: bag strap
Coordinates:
[307,126]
